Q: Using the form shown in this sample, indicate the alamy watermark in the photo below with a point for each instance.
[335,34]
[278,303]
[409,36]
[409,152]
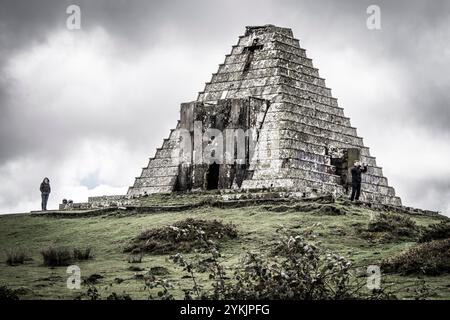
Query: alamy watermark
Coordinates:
[373,21]
[74,280]
[73,21]
[373,277]
[228,146]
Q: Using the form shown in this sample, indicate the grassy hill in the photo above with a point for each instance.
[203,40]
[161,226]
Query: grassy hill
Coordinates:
[354,231]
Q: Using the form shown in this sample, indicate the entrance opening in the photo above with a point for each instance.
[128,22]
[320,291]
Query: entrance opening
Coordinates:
[213,177]
[340,169]
[343,160]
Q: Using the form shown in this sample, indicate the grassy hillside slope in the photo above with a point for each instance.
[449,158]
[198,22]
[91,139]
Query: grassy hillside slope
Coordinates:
[338,227]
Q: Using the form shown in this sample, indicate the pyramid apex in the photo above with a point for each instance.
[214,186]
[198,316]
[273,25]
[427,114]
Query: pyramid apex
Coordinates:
[267,28]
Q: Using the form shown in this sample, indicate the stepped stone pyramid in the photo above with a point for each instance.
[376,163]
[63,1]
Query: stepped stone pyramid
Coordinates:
[304,143]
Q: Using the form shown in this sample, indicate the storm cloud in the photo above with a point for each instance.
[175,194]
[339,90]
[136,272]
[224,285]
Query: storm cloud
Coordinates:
[88,107]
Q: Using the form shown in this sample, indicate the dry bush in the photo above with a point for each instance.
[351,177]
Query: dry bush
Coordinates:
[429,258]
[436,232]
[82,254]
[388,227]
[301,271]
[15,256]
[56,256]
[135,256]
[181,236]
[7,294]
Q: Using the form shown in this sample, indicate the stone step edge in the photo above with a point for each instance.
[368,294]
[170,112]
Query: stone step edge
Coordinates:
[313,118]
[291,168]
[279,84]
[281,90]
[296,105]
[315,135]
[263,77]
[314,71]
[272,52]
[286,120]
[314,144]
[265,68]
[277,41]
[325,183]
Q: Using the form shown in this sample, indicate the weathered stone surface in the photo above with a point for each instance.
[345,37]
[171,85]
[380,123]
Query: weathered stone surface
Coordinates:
[268,83]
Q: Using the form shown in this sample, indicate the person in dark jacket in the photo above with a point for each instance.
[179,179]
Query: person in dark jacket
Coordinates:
[356,171]
[45,192]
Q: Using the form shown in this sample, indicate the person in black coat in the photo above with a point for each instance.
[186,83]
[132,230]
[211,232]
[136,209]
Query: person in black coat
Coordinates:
[356,171]
[45,192]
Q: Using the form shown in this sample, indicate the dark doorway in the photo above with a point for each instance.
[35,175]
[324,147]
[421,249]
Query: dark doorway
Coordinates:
[344,163]
[213,177]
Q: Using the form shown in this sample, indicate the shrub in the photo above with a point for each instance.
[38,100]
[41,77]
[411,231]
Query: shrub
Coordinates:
[301,271]
[93,278]
[302,275]
[82,254]
[90,294]
[56,256]
[389,226]
[158,271]
[93,294]
[436,232]
[62,256]
[135,269]
[394,223]
[135,257]
[7,293]
[15,256]
[118,296]
[430,258]
[181,236]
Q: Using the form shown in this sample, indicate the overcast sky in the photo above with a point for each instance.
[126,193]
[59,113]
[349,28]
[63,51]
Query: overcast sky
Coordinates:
[88,107]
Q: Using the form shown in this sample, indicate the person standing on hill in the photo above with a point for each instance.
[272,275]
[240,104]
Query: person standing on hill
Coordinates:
[356,171]
[45,192]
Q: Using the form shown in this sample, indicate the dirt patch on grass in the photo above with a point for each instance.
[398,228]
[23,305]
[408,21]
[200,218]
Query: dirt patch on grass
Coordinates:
[182,236]
[430,258]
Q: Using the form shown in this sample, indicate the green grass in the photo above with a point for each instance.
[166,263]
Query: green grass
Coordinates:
[108,234]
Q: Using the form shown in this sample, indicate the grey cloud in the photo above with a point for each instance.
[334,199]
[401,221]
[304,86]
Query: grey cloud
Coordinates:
[24,23]
[413,35]
[434,193]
